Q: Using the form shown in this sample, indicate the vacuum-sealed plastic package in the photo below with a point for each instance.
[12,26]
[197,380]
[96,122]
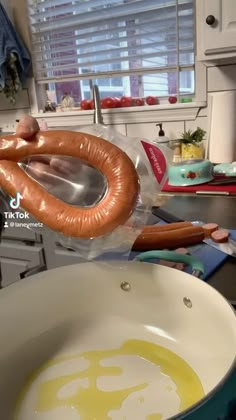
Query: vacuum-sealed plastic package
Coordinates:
[92,187]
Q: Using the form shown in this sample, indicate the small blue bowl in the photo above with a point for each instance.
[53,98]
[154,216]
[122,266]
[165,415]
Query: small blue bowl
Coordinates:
[191,172]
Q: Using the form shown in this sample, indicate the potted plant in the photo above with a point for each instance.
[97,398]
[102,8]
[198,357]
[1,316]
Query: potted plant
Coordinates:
[192,146]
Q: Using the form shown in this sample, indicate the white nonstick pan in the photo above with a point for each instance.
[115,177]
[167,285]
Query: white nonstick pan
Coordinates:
[109,341]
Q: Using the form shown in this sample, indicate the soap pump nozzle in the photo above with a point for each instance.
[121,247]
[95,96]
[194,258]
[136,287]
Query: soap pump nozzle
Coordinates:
[161,131]
[161,135]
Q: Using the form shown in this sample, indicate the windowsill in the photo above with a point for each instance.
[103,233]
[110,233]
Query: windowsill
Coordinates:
[131,115]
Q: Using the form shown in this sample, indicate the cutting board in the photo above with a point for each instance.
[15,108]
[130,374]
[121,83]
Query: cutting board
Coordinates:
[211,258]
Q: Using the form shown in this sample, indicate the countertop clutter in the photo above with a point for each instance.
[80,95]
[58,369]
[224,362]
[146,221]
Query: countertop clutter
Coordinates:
[201,177]
[220,210]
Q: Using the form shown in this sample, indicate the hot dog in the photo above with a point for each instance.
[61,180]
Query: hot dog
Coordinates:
[169,239]
[112,211]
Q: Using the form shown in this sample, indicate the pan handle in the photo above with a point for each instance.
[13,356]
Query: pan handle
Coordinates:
[197,266]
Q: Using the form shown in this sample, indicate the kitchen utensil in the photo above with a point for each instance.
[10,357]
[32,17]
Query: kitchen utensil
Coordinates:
[228,248]
[226,181]
[192,172]
[128,340]
[215,193]
[197,266]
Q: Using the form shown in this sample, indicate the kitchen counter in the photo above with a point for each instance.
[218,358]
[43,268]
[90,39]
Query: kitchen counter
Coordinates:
[24,252]
[221,210]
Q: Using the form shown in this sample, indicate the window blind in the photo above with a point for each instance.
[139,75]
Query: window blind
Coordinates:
[91,39]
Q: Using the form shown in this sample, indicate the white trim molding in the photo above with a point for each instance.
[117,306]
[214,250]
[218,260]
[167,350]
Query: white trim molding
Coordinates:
[180,112]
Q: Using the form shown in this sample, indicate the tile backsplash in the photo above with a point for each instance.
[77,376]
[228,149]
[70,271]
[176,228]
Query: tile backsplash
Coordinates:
[150,131]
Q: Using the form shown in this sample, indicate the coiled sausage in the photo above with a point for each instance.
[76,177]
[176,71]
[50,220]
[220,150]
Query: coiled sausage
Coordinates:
[112,211]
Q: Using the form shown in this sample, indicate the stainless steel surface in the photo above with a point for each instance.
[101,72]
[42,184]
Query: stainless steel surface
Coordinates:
[97,118]
[227,247]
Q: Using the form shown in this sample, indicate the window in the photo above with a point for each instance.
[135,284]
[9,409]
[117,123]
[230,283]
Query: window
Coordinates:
[127,47]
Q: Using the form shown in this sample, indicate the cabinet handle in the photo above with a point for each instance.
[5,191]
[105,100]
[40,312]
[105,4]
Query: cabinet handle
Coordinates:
[210,20]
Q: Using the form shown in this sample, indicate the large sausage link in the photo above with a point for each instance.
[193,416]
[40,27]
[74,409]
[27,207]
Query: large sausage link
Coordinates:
[169,239]
[112,211]
[165,227]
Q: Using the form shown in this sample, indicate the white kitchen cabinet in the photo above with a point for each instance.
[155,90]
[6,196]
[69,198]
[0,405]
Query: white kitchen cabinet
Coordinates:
[216,29]
[18,260]
[56,255]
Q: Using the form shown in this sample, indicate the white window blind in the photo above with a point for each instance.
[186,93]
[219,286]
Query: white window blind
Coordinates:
[93,39]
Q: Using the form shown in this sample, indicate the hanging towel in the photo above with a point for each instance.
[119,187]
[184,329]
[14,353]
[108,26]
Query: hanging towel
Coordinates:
[14,57]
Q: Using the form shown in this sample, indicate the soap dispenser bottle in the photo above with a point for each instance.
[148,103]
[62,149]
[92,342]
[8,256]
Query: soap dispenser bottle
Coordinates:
[161,136]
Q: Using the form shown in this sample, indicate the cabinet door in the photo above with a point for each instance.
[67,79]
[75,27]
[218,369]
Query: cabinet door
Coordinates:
[20,233]
[55,255]
[219,37]
[18,261]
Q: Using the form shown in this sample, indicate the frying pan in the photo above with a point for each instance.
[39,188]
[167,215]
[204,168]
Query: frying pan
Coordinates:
[129,340]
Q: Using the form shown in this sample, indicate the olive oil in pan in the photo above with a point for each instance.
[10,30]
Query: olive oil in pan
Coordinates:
[91,402]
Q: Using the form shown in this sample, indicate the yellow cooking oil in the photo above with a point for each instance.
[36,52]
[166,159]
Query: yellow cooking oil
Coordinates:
[156,416]
[94,403]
